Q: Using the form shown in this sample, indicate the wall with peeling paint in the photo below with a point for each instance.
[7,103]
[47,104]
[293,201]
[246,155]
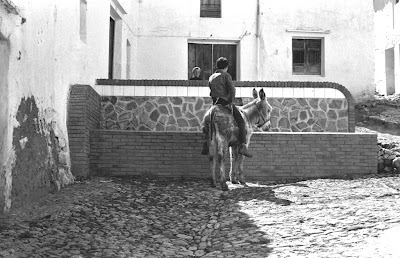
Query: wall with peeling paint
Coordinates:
[45,55]
[4,145]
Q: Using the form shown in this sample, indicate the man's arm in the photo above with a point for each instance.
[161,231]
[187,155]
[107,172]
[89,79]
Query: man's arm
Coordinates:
[230,87]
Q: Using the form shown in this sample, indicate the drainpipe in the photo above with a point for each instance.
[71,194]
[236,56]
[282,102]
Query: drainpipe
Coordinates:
[258,40]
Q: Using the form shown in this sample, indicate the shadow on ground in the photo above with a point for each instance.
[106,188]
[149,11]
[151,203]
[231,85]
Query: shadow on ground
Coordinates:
[139,217]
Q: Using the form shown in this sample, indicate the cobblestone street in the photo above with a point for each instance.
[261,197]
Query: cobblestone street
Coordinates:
[134,217]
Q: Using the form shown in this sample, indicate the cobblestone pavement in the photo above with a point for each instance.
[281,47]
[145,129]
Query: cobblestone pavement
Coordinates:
[134,217]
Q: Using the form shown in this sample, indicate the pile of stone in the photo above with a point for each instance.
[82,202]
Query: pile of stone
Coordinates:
[388,161]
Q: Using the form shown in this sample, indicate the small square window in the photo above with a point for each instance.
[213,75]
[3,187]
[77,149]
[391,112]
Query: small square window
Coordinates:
[307,56]
[210,8]
[83,20]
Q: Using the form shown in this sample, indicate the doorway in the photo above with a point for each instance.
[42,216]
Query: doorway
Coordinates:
[111,49]
[389,70]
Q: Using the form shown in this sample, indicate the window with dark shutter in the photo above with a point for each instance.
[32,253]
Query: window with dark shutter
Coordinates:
[206,55]
[307,56]
[210,8]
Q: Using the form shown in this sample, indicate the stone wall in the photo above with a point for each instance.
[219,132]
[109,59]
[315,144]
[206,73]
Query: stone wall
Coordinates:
[276,155]
[186,113]
[309,115]
[153,113]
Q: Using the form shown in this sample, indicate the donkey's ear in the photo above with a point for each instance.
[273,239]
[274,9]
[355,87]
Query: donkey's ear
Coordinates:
[254,93]
[262,94]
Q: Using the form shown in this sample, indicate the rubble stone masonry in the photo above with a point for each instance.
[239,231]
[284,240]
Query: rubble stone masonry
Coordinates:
[186,113]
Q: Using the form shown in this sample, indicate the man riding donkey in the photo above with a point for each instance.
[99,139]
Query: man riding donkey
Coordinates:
[223,93]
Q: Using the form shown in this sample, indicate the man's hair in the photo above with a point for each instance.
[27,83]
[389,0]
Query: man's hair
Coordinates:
[196,68]
[222,63]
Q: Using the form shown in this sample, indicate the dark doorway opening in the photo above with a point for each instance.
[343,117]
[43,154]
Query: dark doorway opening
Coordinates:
[206,55]
[111,49]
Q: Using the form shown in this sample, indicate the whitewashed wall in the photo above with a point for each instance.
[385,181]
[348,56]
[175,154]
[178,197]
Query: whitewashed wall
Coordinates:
[387,31]
[164,29]
[347,30]
[45,56]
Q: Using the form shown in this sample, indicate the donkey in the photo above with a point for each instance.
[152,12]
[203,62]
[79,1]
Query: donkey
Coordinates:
[222,132]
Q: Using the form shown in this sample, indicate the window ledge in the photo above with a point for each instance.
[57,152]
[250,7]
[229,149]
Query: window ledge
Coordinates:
[309,31]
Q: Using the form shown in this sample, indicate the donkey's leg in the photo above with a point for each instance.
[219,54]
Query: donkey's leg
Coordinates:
[213,156]
[222,151]
[233,170]
[239,169]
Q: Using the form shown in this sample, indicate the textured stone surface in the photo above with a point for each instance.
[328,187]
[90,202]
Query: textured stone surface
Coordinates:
[287,114]
[139,217]
[388,160]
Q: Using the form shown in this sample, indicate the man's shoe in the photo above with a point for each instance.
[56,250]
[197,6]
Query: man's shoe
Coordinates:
[244,151]
[205,150]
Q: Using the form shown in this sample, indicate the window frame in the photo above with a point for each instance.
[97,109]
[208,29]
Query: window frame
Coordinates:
[236,43]
[321,52]
[210,8]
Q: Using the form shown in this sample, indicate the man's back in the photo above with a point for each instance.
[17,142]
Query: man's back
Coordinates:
[221,86]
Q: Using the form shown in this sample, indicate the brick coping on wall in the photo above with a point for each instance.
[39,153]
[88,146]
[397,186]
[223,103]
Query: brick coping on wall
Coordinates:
[254,133]
[255,84]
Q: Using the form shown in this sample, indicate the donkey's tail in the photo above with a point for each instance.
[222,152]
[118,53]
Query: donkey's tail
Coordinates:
[209,123]
[212,123]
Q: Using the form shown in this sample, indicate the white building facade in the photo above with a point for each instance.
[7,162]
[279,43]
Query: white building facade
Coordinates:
[280,41]
[46,46]
[387,40]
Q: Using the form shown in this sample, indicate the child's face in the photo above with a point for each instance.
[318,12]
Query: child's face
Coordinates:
[197,73]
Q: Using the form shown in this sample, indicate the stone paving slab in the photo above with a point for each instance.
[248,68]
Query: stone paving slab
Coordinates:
[138,217]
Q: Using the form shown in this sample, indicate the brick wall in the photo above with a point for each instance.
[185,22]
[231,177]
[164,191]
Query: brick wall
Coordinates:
[147,153]
[83,116]
[276,155]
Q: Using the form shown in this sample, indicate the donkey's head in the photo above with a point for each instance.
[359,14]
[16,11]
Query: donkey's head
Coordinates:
[262,112]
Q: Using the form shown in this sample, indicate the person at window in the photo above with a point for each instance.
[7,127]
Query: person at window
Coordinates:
[223,93]
[196,74]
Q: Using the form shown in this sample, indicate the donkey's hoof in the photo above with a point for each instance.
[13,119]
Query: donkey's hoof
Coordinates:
[224,186]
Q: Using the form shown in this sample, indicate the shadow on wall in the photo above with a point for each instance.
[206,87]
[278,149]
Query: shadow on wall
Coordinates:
[4,64]
[41,164]
[379,5]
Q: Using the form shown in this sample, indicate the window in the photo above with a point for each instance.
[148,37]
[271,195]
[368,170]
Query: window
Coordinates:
[210,8]
[205,56]
[82,22]
[307,56]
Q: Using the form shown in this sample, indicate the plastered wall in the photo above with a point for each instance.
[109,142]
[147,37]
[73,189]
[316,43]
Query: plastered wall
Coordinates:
[42,55]
[263,33]
[387,39]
